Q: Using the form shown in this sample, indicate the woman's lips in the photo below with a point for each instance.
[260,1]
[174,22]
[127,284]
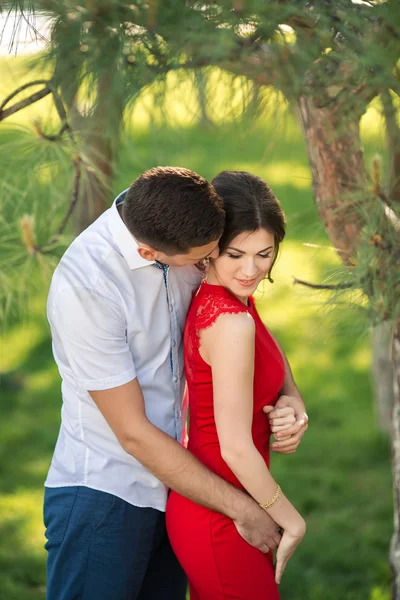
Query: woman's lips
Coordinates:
[247,282]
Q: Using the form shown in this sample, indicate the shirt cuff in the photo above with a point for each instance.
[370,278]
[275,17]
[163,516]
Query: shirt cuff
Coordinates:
[107,383]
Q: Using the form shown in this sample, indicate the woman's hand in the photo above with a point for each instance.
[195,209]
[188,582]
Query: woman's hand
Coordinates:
[287,439]
[288,544]
[282,418]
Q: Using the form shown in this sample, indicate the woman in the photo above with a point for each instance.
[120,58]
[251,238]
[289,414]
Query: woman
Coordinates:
[233,369]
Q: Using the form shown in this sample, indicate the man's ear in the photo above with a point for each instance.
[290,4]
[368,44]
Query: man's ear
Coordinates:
[147,252]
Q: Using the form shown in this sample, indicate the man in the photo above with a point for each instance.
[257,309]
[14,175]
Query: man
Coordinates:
[117,307]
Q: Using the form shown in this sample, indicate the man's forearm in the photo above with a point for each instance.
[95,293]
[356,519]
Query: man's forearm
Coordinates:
[289,387]
[181,471]
[123,408]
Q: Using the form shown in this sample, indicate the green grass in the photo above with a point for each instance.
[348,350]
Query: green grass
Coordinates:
[339,478]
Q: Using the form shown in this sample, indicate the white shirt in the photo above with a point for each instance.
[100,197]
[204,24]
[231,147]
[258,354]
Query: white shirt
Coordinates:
[114,318]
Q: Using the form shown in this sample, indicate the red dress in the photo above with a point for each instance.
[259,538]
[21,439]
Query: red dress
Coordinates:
[219,564]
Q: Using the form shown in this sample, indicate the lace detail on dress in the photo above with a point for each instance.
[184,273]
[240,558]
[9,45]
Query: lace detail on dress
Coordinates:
[213,306]
[203,314]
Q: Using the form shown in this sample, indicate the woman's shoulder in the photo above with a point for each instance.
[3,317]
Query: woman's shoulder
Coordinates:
[212,301]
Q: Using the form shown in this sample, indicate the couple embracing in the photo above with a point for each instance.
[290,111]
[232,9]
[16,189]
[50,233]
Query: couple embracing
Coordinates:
[157,292]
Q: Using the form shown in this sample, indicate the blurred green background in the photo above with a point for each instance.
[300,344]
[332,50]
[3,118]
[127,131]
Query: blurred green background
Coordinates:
[340,476]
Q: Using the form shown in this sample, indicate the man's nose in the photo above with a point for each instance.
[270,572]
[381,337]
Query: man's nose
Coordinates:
[214,253]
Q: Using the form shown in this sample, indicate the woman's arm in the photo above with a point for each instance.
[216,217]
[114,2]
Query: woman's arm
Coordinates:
[228,347]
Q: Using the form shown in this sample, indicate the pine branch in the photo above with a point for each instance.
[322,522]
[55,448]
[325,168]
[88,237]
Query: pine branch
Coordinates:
[4,113]
[45,248]
[322,286]
[26,222]
[54,137]
[306,22]
[262,66]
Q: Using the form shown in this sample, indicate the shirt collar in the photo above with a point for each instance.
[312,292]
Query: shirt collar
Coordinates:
[123,238]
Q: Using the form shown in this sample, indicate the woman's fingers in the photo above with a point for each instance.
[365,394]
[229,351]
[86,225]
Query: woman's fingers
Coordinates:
[289,444]
[285,551]
[296,428]
[282,418]
[279,424]
[281,438]
[282,556]
[279,413]
[288,429]
[279,568]
[289,450]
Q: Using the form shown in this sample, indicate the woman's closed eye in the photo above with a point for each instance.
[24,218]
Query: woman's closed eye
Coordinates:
[240,255]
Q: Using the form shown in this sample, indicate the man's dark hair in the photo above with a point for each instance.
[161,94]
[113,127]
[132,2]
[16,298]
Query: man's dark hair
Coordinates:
[249,204]
[173,210]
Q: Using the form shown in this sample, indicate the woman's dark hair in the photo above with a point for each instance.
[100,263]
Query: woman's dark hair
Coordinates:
[173,209]
[249,205]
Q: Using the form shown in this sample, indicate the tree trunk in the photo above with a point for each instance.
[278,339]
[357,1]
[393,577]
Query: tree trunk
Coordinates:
[100,134]
[96,128]
[395,545]
[382,375]
[254,100]
[338,172]
[201,85]
[97,178]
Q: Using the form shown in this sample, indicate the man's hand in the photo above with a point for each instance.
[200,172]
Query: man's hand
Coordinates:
[289,422]
[257,527]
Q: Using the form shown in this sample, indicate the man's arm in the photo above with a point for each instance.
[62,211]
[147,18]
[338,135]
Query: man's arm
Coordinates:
[93,330]
[124,410]
[287,438]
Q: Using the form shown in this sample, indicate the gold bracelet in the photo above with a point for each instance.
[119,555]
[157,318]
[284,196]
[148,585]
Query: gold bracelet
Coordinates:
[272,500]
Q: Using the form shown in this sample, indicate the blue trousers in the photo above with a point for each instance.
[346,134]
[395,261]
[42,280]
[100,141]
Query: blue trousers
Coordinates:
[102,548]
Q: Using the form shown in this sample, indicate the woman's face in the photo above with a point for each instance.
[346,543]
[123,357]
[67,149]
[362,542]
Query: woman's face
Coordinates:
[245,262]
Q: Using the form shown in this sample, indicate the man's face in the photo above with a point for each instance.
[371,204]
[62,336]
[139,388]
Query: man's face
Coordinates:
[192,257]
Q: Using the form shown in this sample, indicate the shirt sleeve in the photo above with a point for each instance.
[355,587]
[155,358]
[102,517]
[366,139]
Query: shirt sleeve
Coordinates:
[89,331]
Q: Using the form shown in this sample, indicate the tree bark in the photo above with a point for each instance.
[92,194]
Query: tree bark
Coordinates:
[201,85]
[382,375]
[95,191]
[97,129]
[395,544]
[100,134]
[338,172]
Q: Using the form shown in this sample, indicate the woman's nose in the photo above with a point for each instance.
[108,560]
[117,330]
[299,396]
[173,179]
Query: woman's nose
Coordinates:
[249,268]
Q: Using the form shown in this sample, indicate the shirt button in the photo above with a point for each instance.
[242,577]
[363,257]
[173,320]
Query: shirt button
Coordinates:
[175,379]
[174,343]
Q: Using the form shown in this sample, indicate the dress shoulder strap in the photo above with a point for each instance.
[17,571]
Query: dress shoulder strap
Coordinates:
[214,305]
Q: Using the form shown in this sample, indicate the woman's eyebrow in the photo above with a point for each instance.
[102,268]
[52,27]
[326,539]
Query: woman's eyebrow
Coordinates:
[236,249]
[241,251]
